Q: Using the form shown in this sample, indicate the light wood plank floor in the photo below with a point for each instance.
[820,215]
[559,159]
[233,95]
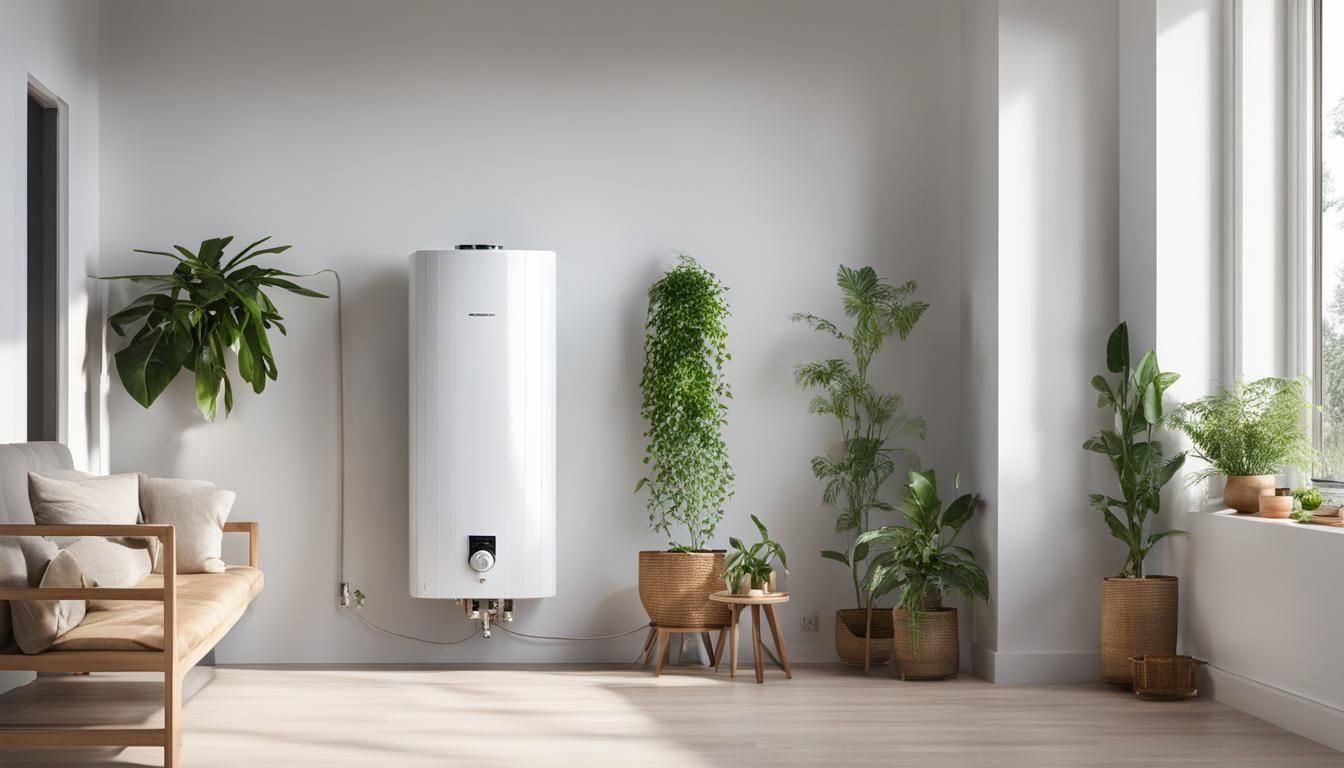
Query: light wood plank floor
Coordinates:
[552,716]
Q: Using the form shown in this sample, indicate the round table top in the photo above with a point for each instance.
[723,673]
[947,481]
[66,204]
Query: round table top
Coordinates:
[767,599]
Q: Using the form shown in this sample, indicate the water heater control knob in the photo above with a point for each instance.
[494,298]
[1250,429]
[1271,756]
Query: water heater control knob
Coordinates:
[481,561]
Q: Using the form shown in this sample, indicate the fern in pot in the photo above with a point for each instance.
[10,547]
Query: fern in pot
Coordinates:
[1138,610]
[1249,432]
[689,478]
[922,562]
[856,468]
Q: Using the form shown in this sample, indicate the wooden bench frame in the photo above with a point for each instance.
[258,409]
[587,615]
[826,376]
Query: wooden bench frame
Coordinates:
[173,661]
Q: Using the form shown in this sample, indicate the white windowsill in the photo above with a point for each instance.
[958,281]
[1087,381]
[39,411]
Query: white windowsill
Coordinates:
[1232,514]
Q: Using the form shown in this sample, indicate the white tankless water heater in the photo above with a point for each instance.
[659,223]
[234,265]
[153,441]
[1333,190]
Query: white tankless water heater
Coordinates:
[482,427]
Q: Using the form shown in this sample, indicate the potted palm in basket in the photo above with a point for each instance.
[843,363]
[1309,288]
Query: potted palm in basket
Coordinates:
[854,471]
[689,478]
[1138,609]
[922,560]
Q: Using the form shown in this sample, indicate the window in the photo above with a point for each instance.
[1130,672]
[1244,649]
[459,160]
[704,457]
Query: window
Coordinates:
[1329,236]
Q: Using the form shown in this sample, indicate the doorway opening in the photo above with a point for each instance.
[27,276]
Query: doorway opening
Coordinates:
[45,320]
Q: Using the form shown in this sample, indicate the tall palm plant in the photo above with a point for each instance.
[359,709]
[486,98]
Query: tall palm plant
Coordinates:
[868,419]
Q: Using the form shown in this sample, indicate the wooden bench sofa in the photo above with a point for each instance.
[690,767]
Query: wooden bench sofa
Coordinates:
[166,624]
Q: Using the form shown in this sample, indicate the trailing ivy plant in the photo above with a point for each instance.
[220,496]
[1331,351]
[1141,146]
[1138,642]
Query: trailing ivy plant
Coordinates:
[202,311]
[1255,428]
[686,404]
[868,419]
[1141,469]
[921,559]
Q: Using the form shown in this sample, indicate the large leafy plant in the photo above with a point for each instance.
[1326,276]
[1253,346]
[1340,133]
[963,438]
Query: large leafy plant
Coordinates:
[200,313]
[921,559]
[1255,428]
[868,420]
[1141,469]
[754,563]
[686,404]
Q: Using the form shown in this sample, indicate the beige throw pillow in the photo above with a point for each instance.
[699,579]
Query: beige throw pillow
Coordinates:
[111,500]
[198,510]
[37,623]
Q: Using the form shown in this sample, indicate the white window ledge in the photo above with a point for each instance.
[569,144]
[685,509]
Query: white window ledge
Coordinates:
[1232,514]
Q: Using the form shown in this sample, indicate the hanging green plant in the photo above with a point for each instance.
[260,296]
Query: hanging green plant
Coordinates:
[686,404]
[199,312]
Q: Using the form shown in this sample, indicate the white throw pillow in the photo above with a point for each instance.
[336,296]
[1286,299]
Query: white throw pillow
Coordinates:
[198,510]
[37,623]
[111,500]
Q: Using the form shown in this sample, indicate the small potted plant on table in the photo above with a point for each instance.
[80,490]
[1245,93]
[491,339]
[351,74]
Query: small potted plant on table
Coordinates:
[1249,432]
[689,477]
[750,570]
[1138,610]
[922,560]
[853,472]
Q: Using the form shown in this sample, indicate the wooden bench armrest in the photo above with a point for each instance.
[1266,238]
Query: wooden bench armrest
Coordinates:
[144,594]
[253,531]
[160,532]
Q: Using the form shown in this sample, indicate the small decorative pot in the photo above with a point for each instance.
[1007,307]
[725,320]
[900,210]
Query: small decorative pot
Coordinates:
[1280,505]
[1243,492]
[938,654]
[1138,618]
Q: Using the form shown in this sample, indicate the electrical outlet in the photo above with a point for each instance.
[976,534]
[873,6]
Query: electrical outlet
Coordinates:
[808,623]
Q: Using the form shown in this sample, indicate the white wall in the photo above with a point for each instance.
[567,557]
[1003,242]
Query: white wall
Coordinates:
[54,42]
[771,139]
[980,297]
[1057,211]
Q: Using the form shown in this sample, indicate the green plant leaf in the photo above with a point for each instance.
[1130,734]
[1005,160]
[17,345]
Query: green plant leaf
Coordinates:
[147,365]
[1117,349]
[839,557]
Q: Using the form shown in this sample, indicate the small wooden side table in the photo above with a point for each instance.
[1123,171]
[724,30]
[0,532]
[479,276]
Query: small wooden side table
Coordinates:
[768,602]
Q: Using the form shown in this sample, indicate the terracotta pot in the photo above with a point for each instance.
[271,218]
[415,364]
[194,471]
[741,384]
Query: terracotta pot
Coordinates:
[938,654]
[675,588]
[850,624]
[1138,618]
[1243,492]
[1276,506]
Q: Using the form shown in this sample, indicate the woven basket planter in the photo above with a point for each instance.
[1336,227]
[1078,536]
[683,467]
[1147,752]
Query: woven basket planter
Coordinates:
[850,624]
[1243,492]
[1166,677]
[938,655]
[675,588]
[1138,618]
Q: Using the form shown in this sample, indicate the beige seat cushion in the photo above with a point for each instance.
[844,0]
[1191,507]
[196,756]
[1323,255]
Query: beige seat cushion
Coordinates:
[204,602]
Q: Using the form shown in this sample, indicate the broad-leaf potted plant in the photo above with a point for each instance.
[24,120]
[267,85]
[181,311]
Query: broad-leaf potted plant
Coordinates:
[1138,610]
[751,570]
[1249,432]
[205,310]
[689,478]
[922,561]
[853,473]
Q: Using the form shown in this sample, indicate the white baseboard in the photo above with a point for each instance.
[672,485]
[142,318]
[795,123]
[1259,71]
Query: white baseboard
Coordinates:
[1306,717]
[1020,668]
